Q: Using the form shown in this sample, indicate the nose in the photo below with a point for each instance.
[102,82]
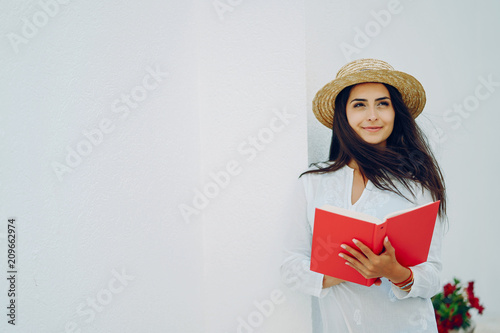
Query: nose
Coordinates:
[372,114]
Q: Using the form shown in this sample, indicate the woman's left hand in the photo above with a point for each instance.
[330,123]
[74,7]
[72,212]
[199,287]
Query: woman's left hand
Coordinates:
[371,265]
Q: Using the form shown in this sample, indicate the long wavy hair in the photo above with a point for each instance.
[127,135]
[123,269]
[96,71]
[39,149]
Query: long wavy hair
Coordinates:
[406,157]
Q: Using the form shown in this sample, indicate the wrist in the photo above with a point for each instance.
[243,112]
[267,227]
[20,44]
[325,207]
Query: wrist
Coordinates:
[329,281]
[399,274]
[406,284]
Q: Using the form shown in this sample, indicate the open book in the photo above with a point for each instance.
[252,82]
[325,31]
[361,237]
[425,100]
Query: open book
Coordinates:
[409,231]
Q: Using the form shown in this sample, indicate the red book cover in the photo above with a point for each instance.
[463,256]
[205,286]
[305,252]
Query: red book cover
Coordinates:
[409,231]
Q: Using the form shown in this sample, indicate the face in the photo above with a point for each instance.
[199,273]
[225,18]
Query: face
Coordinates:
[370,113]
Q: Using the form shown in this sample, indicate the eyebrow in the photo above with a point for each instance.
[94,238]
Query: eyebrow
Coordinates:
[365,100]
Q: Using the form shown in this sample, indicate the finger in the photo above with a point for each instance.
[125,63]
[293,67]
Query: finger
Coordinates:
[356,254]
[365,249]
[388,246]
[354,263]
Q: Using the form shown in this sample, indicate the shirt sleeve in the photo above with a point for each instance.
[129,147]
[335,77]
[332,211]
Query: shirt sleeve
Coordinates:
[295,268]
[426,276]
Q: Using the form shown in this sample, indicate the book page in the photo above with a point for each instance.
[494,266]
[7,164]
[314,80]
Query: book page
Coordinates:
[353,214]
[399,212]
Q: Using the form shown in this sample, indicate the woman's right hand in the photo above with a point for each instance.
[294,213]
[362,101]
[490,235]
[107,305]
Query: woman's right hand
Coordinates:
[329,281]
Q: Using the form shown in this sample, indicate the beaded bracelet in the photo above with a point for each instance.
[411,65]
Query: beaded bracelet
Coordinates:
[406,284]
[407,288]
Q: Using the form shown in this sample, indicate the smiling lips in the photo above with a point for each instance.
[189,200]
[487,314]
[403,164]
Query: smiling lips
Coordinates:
[372,128]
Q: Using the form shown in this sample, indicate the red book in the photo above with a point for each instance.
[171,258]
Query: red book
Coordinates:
[409,231]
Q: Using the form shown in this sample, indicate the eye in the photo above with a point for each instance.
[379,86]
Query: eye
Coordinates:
[384,103]
[357,105]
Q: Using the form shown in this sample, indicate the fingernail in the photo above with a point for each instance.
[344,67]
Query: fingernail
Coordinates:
[343,246]
[341,255]
[356,241]
[386,239]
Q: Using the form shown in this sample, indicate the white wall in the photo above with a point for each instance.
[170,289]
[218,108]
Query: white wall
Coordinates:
[130,206]
[253,114]
[234,84]
[117,209]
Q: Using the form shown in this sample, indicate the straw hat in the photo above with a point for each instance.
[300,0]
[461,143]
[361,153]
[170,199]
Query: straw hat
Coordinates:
[368,70]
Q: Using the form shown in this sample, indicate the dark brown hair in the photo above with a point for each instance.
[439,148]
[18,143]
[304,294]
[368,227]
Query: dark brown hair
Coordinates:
[406,157]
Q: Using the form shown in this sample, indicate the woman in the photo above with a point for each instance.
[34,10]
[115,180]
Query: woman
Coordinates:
[379,163]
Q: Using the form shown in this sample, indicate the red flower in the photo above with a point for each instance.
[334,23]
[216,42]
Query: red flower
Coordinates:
[453,304]
[449,289]
[441,329]
[474,302]
[470,289]
[457,321]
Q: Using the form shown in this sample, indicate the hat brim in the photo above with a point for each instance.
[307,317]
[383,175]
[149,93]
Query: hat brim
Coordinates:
[410,88]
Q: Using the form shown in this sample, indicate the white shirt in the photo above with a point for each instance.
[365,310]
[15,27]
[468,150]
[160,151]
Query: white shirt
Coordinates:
[349,307]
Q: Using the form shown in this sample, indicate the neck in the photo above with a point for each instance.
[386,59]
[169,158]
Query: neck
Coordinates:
[353,165]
